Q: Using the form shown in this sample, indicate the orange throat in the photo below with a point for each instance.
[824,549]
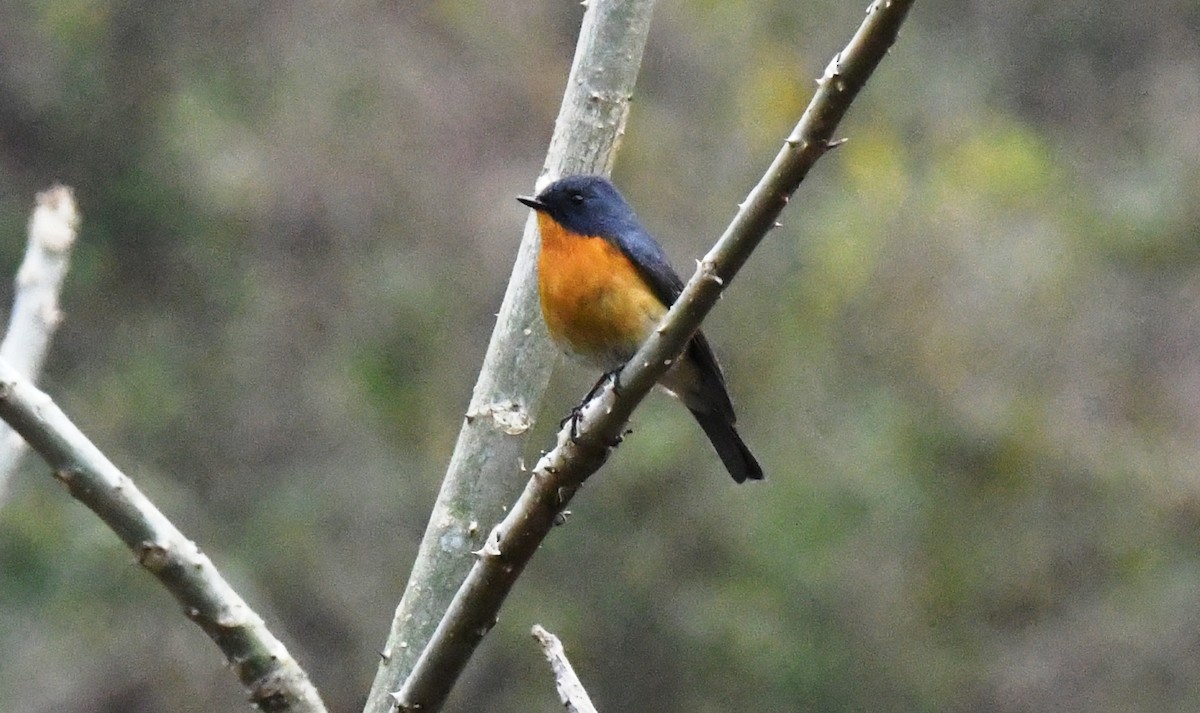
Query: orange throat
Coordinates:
[594,300]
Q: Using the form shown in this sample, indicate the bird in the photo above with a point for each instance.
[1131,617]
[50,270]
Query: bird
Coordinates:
[605,283]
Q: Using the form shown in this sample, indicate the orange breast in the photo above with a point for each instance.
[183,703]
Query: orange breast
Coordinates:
[595,303]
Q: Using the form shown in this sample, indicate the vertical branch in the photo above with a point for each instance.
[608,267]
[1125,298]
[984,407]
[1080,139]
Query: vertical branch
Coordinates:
[485,472]
[35,314]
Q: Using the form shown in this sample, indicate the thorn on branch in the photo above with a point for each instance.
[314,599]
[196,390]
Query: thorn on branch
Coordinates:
[833,71]
[152,555]
[491,548]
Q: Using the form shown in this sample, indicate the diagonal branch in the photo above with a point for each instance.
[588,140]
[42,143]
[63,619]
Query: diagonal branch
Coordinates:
[35,314]
[559,473]
[273,679]
[485,471]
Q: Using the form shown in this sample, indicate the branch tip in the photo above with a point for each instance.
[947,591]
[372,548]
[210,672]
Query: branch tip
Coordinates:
[55,220]
[570,689]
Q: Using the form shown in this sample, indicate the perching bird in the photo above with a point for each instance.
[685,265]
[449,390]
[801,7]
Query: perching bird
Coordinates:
[605,284]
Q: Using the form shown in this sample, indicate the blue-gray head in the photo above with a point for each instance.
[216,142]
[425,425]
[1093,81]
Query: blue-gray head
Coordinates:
[587,205]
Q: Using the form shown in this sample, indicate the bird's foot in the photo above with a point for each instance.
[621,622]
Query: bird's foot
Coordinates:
[573,417]
[576,413]
[614,376]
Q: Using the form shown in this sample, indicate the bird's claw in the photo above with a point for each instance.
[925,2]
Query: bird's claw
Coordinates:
[574,418]
[577,412]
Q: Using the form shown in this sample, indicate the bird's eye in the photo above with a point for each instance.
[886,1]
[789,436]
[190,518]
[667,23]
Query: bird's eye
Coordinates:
[577,198]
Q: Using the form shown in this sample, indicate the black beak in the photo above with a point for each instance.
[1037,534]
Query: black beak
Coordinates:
[532,203]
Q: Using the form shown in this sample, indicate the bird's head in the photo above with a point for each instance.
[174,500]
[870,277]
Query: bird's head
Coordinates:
[587,205]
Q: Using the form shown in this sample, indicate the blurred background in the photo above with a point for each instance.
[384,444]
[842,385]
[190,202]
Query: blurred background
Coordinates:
[969,361]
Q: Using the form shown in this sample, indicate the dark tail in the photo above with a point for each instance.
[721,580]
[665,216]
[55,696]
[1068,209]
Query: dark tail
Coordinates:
[728,444]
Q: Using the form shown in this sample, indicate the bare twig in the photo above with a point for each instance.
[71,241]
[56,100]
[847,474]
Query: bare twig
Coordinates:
[273,679]
[560,472]
[570,689]
[35,314]
[485,471]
